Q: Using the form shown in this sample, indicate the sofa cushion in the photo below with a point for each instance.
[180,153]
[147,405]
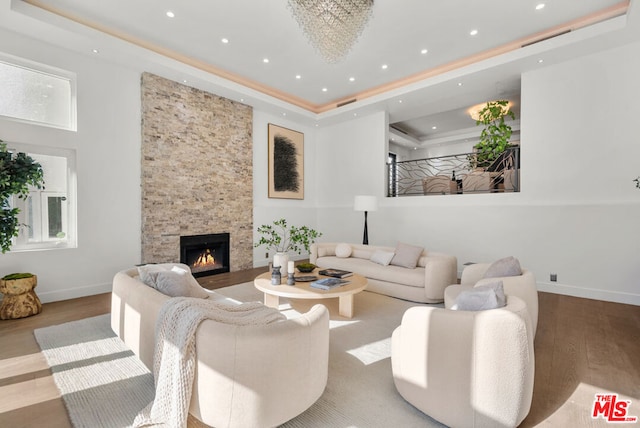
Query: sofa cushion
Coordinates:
[145,271]
[172,281]
[343,250]
[406,255]
[508,266]
[382,257]
[477,299]
[493,284]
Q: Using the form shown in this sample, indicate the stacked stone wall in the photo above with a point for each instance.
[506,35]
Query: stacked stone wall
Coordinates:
[197,170]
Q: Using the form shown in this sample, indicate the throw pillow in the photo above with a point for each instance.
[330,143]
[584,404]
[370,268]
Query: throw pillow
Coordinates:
[343,250]
[476,300]
[382,257]
[492,284]
[508,266]
[406,255]
[145,272]
[177,282]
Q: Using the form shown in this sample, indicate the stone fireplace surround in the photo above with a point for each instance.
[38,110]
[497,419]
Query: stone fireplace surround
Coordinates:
[197,170]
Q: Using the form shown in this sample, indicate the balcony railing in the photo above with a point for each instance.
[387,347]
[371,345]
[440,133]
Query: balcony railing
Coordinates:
[455,174]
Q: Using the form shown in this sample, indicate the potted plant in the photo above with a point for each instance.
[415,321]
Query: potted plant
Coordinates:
[17,172]
[282,238]
[494,138]
[19,298]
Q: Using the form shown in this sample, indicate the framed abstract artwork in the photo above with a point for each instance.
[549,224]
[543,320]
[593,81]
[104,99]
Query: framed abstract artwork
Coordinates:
[286,163]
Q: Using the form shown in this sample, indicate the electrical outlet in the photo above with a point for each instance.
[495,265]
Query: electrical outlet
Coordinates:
[554,277]
[266,255]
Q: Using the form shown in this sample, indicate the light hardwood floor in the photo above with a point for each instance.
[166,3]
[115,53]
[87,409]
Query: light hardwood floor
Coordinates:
[582,347]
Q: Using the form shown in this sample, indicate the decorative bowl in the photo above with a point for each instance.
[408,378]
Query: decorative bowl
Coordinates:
[306,267]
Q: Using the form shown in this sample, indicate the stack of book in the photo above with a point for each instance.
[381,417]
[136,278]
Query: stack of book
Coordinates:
[335,273]
[328,283]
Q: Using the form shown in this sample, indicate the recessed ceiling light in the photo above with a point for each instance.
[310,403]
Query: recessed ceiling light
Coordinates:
[400,101]
[473,32]
[434,127]
[540,61]
[540,6]
[298,76]
[324,89]
[352,79]
[95,51]
[170,14]
[385,66]
[284,114]
[265,60]
[415,148]
[224,40]
[184,80]
[424,51]
[355,114]
[460,83]
[241,100]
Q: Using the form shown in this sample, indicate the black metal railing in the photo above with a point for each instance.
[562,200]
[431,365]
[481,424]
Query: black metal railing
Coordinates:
[455,174]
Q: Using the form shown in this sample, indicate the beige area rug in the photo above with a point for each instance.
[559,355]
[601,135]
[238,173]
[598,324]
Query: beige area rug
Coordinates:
[104,385]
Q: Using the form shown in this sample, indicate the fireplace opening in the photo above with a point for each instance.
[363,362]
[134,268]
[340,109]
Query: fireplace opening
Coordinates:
[205,254]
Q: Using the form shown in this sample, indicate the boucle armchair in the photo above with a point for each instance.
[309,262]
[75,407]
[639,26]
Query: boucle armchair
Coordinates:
[523,286]
[464,368]
[246,376]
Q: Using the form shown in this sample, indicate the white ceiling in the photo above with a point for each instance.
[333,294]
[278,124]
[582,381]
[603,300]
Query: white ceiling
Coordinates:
[395,35]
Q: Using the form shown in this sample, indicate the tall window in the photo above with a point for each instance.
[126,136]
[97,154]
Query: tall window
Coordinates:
[37,93]
[48,215]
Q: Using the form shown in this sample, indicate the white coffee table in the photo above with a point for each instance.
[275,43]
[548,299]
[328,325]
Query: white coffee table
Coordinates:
[303,290]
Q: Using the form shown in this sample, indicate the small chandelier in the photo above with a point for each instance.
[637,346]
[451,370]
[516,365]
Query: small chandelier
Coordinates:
[474,111]
[332,26]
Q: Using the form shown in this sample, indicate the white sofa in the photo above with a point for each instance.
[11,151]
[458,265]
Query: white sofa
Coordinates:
[246,376]
[426,283]
[523,286]
[464,368]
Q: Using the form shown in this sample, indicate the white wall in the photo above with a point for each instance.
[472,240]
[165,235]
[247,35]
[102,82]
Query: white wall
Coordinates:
[266,210]
[577,214]
[107,146]
[351,160]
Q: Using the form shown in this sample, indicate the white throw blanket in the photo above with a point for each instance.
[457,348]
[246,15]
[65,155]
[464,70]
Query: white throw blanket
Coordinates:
[175,353]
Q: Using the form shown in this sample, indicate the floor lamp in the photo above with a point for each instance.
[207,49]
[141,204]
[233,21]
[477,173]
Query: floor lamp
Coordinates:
[365,203]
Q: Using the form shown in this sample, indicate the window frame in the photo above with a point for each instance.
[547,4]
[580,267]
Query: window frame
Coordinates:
[22,242]
[51,71]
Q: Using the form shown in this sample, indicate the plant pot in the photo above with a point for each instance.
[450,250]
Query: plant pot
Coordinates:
[282,260]
[20,300]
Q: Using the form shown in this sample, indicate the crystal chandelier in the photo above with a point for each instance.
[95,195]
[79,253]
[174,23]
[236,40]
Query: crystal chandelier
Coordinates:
[332,26]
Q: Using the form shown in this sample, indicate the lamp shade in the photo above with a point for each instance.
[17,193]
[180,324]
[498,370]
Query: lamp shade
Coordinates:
[365,203]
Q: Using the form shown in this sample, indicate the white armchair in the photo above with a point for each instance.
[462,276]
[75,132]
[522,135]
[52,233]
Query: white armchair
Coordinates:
[523,286]
[466,369]
[246,376]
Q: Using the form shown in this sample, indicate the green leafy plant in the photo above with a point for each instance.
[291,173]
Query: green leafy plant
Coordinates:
[17,172]
[281,238]
[494,138]
[17,276]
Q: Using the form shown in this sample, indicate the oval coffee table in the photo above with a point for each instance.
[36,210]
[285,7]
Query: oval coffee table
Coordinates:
[303,290]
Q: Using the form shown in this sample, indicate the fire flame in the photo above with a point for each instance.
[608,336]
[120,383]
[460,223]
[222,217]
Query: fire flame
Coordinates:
[204,259]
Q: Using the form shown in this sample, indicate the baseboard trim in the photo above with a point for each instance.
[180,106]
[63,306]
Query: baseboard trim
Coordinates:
[73,293]
[589,293]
